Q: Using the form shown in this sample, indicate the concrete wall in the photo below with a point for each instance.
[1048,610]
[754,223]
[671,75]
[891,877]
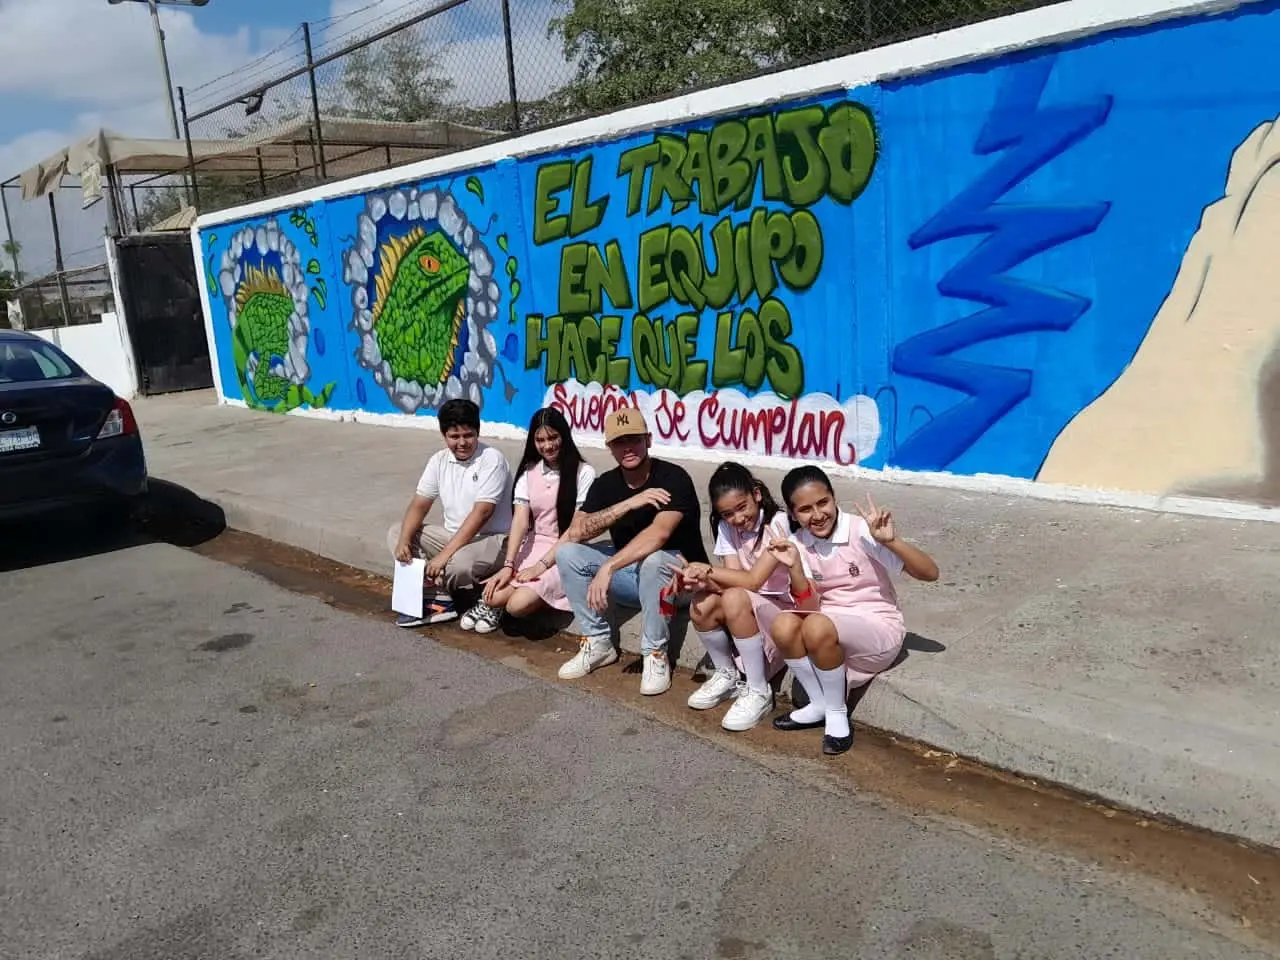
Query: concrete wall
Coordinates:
[101,348]
[1035,248]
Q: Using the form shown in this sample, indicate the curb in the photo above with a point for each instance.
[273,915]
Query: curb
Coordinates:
[1016,727]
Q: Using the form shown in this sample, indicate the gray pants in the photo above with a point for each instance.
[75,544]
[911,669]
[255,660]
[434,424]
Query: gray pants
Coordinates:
[466,568]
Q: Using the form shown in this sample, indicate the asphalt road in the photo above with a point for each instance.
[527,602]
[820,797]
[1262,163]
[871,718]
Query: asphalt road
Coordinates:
[198,764]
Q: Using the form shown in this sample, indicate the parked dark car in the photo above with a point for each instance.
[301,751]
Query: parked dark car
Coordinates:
[66,440]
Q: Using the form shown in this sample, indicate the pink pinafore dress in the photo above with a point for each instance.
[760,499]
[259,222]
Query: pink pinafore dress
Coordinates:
[543,536]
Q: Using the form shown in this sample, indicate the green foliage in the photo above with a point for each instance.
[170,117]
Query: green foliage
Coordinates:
[396,79]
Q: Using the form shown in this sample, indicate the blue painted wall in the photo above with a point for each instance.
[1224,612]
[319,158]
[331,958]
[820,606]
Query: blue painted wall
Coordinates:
[994,243]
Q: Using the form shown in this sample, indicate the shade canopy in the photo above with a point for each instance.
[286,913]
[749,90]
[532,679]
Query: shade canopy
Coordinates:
[351,146]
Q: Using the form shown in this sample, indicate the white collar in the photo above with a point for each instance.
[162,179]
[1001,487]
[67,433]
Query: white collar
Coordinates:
[840,535]
[547,469]
[480,448]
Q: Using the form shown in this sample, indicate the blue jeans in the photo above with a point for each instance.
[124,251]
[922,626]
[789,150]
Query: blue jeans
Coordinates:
[635,586]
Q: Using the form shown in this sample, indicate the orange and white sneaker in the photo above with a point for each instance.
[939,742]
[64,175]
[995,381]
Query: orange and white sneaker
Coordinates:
[592,652]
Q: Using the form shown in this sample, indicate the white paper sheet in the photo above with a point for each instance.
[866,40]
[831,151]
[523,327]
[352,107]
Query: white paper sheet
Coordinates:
[406,588]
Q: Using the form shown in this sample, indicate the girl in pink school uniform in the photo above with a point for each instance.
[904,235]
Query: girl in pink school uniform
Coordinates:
[551,483]
[846,626]
[726,608]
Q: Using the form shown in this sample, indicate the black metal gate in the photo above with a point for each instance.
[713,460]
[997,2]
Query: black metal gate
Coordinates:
[158,284]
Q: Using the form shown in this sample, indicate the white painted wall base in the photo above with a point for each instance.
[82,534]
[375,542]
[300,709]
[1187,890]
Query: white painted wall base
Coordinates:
[102,348]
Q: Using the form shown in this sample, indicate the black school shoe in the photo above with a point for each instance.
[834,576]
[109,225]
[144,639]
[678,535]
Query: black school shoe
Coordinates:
[785,723]
[834,746]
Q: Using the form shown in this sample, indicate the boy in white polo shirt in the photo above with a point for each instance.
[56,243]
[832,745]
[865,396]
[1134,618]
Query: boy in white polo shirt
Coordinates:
[472,481]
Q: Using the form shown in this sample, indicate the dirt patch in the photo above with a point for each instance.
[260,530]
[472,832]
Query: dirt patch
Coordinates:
[1238,879]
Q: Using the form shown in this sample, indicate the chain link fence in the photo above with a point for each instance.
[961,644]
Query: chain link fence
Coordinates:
[392,83]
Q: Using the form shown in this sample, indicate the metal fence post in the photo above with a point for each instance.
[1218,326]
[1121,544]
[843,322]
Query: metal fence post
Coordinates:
[511,66]
[8,232]
[194,198]
[57,260]
[315,98]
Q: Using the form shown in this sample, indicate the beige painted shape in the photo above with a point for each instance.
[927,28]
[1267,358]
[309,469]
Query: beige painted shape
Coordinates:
[1184,417]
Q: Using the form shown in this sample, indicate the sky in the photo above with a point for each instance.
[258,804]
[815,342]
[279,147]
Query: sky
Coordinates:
[68,67]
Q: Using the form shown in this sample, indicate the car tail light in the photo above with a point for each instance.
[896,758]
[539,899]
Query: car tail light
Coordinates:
[120,421]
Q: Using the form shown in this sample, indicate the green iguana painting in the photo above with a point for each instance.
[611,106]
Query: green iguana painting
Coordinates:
[419,304]
[263,308]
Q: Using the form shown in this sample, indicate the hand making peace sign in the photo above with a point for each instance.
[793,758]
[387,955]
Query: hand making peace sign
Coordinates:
[879,522]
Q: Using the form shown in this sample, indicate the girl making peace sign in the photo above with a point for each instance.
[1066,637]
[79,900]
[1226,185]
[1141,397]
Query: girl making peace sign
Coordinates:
[846,626]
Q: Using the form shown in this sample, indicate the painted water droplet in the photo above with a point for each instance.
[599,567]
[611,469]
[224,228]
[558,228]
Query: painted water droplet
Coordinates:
[511,348]
[318,336]
[360,392]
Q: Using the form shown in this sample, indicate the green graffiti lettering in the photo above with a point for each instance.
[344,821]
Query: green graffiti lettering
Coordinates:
[538,345]
[653,284]
[784,366]
[692,373]
[574,297]
[753,345]
[665,178]
[575,352]
[552,178]
[803,166]
[848,141]
[647,350]
[727,361]
[742,259]
[617,369]
[717,286]
[584,213]
[761,154]
[684,267]
[800,269]
[730,173]
[607,273]
[634,164]
[697,172]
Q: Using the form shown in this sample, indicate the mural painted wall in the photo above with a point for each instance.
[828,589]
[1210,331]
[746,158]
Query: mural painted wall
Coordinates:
[1049,265]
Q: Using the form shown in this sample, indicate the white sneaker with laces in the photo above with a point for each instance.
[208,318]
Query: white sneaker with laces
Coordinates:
[721,686]
[487,618]
[750,708]
[656,677]
[592,653]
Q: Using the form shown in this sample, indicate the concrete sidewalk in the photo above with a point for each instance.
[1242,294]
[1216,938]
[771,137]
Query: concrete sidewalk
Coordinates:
[1128,654]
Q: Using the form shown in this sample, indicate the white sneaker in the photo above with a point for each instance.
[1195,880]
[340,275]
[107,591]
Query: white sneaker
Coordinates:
[592,653]
[487,619]
[749,709]
[722,686]
[656,678]
[468,619]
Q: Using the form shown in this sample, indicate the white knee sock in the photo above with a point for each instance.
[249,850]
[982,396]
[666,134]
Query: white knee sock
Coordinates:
[804,671]
[717,643]
[835,697]
[751,649]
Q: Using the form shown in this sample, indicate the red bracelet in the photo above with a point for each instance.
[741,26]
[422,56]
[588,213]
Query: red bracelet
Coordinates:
[798,597]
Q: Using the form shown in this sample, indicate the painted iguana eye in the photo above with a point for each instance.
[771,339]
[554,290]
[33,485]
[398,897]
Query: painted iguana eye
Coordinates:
[429,263]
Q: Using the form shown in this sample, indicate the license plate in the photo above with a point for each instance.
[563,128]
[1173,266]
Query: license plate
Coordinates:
[28,438]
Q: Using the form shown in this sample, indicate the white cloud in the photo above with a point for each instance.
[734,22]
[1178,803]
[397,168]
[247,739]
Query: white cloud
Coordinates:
[101,67]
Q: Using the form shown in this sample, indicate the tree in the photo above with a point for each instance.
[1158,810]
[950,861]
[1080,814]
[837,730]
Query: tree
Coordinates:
[13,250]
[631,50]
[396,79]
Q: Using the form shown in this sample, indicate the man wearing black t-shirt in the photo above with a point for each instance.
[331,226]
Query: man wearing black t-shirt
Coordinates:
[651,512]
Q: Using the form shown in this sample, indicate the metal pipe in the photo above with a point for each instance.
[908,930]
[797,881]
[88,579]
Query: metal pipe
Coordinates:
[8,232]
[164,66]
[511,66]
[315,98]
[191,156]
[57,263]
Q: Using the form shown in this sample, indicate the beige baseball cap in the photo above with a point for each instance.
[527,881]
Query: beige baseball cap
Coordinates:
[624,422]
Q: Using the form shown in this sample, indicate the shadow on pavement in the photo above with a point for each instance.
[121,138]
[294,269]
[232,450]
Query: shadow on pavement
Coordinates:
[168,514]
